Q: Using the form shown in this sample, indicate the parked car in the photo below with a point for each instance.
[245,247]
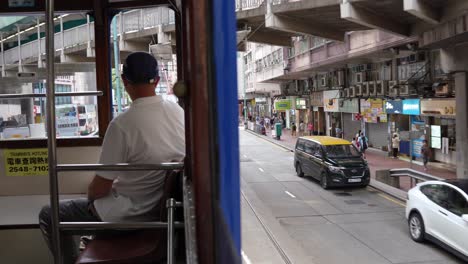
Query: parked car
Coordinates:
[438,211]
[333,161]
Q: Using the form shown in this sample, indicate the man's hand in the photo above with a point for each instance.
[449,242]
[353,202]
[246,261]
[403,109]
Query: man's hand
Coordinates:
[99,188]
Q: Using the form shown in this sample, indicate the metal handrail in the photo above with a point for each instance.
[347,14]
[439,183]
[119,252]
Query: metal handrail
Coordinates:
[98,226]
[121,167]
[34,95]
[415,176]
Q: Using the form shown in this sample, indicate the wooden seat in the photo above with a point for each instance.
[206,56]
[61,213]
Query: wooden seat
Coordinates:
[146,246]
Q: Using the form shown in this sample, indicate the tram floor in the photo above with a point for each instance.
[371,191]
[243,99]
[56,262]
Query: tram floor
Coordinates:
[306,224]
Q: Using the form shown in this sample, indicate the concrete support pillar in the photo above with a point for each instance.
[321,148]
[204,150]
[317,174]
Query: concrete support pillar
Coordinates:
[62,41]
[19,49]
[163,37]
[3,55]
[461,86]
[89,49]
[39,50]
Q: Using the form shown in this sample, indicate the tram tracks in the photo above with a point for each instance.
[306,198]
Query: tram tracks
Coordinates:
[267,230]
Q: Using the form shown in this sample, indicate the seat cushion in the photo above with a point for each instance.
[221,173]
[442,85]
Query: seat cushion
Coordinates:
[140,247]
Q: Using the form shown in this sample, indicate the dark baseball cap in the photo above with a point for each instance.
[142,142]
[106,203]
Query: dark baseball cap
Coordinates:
[140,68]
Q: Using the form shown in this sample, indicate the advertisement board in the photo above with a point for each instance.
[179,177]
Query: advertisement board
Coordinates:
[438,107]
[301,103]
[283,105]
[411,107]
[394,106]
[372,111]
[349,106]
[331,101]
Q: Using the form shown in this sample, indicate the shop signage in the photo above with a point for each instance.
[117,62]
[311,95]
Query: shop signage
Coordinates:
[331,101]
[349,106]
[411,107]
[301,103]
[372,111]
[438,107]
[394,107]
[282,105]
[316,99]
[260,100]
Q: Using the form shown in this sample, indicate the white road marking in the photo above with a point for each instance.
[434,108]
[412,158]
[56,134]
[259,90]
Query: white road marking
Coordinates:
[260,169]
[245,258]
[290,194]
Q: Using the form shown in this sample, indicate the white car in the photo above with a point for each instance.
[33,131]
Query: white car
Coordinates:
[438,211]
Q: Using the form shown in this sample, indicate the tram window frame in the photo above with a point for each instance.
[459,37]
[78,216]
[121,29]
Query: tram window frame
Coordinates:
[104,117]
[104,104]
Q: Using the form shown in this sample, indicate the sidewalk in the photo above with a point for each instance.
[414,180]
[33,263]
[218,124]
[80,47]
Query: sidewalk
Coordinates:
[377,159]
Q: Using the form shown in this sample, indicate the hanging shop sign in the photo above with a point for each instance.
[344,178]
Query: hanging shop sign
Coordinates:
[411,107]
[349,106]
[260,100]
[282,105]
[372,111]
[316,99]
[301,103]
[394,106]
[331,101]
[438,107]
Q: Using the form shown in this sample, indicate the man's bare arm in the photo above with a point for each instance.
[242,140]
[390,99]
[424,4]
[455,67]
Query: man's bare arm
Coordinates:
[99,188]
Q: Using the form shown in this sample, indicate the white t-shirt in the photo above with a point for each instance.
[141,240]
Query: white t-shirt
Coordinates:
[151,131]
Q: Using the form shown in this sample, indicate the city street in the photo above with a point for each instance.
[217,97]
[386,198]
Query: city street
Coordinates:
[287,219]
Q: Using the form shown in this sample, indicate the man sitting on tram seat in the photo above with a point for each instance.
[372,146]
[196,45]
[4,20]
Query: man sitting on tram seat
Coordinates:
[151,131]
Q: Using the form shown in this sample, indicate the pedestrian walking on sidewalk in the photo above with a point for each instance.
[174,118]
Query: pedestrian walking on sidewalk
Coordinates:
[395,145]
[426,153]
[355,143]
[293,130]
[363,144]
[358,135]
[310,128]
[301,128]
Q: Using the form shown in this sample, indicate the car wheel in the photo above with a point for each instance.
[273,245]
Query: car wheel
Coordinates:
[324,181]
[416,227]
[299,171]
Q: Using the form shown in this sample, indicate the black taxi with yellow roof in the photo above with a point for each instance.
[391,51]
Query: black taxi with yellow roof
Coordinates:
[333,161]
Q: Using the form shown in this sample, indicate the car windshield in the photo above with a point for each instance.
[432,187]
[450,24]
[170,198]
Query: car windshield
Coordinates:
[341,151]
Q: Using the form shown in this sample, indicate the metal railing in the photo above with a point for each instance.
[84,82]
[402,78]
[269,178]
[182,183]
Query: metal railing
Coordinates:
[414,175]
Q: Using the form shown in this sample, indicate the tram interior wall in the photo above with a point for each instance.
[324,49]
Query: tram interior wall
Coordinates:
[69,182]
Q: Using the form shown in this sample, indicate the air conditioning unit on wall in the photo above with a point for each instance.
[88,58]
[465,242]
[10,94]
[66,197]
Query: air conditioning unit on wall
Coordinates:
[442,90]
[372,89]
[358,90]
[393,90]
[382,88]
[352,91]
[347,92]
[365,89]
[323,81]
[342,93]
[360,77]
